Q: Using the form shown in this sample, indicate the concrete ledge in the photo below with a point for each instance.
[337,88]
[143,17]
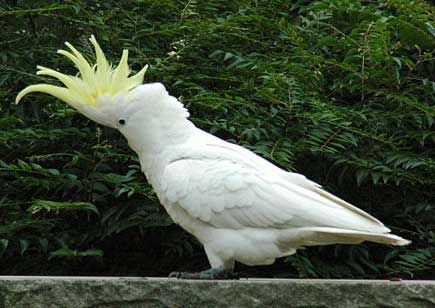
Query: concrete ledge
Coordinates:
[99,292]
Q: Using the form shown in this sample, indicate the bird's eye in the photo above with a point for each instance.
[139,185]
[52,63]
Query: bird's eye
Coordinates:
[121,121]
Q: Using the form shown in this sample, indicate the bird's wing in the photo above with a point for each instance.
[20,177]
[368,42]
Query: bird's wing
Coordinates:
[301,181]
[294,178]
[224,193]
[219,187]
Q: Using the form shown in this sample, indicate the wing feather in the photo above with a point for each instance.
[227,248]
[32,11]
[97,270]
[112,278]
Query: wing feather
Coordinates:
[221,188]
[218,193]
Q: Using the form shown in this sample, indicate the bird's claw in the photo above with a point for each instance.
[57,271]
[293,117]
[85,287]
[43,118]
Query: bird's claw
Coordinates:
[175,275]
[211,274]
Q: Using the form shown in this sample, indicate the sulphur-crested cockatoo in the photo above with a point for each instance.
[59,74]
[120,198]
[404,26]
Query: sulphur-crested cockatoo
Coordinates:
[237,204]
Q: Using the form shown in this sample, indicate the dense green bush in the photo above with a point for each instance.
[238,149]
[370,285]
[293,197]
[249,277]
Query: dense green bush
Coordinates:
[342,91]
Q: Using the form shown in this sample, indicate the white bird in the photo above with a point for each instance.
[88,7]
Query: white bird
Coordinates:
[238,205]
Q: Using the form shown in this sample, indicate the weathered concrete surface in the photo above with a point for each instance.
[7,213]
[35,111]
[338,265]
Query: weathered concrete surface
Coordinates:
[99,292]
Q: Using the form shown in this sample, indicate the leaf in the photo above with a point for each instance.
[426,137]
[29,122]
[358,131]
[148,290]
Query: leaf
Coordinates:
[53,171]
[43,242]
[430,27]
[375,177]
[3,246]
[361,175]
[24,245]
[24,165]
[45,205]
[67,252]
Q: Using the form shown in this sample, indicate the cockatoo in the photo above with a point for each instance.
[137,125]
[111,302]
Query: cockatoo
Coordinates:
[238,205]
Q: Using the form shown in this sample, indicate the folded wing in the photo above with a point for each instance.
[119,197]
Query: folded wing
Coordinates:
[227,191]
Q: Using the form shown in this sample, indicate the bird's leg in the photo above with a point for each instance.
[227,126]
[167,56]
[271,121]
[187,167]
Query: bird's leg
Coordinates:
[218,273]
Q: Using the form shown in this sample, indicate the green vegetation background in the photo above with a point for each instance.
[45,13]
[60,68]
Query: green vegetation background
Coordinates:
[340,90]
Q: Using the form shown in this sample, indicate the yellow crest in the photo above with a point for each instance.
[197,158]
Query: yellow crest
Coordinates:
[92,82]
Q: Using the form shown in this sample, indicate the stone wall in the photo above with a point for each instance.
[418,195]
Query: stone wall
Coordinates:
[100,292]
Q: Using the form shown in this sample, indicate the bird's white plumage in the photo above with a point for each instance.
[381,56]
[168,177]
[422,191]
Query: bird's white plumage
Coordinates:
[237,204]
[215,186]
[243,208]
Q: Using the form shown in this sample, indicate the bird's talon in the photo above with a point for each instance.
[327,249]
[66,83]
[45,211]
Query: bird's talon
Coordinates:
[176,275]
[211,274]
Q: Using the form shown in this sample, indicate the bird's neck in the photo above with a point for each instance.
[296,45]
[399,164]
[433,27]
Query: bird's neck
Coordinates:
[150,135]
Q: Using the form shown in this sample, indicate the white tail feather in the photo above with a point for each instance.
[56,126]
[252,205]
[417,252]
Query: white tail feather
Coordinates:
[328,236]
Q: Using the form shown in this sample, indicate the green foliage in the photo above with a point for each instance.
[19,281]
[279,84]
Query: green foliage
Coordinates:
[40,205]
[342,91]
[66,252]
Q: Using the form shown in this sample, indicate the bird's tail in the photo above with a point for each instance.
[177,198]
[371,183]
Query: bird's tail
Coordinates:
[327,236]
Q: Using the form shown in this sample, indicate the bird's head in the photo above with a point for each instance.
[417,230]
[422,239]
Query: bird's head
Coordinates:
[108,96]
[102,93]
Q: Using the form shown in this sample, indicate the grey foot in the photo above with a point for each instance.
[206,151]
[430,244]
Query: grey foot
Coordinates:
[213,273]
